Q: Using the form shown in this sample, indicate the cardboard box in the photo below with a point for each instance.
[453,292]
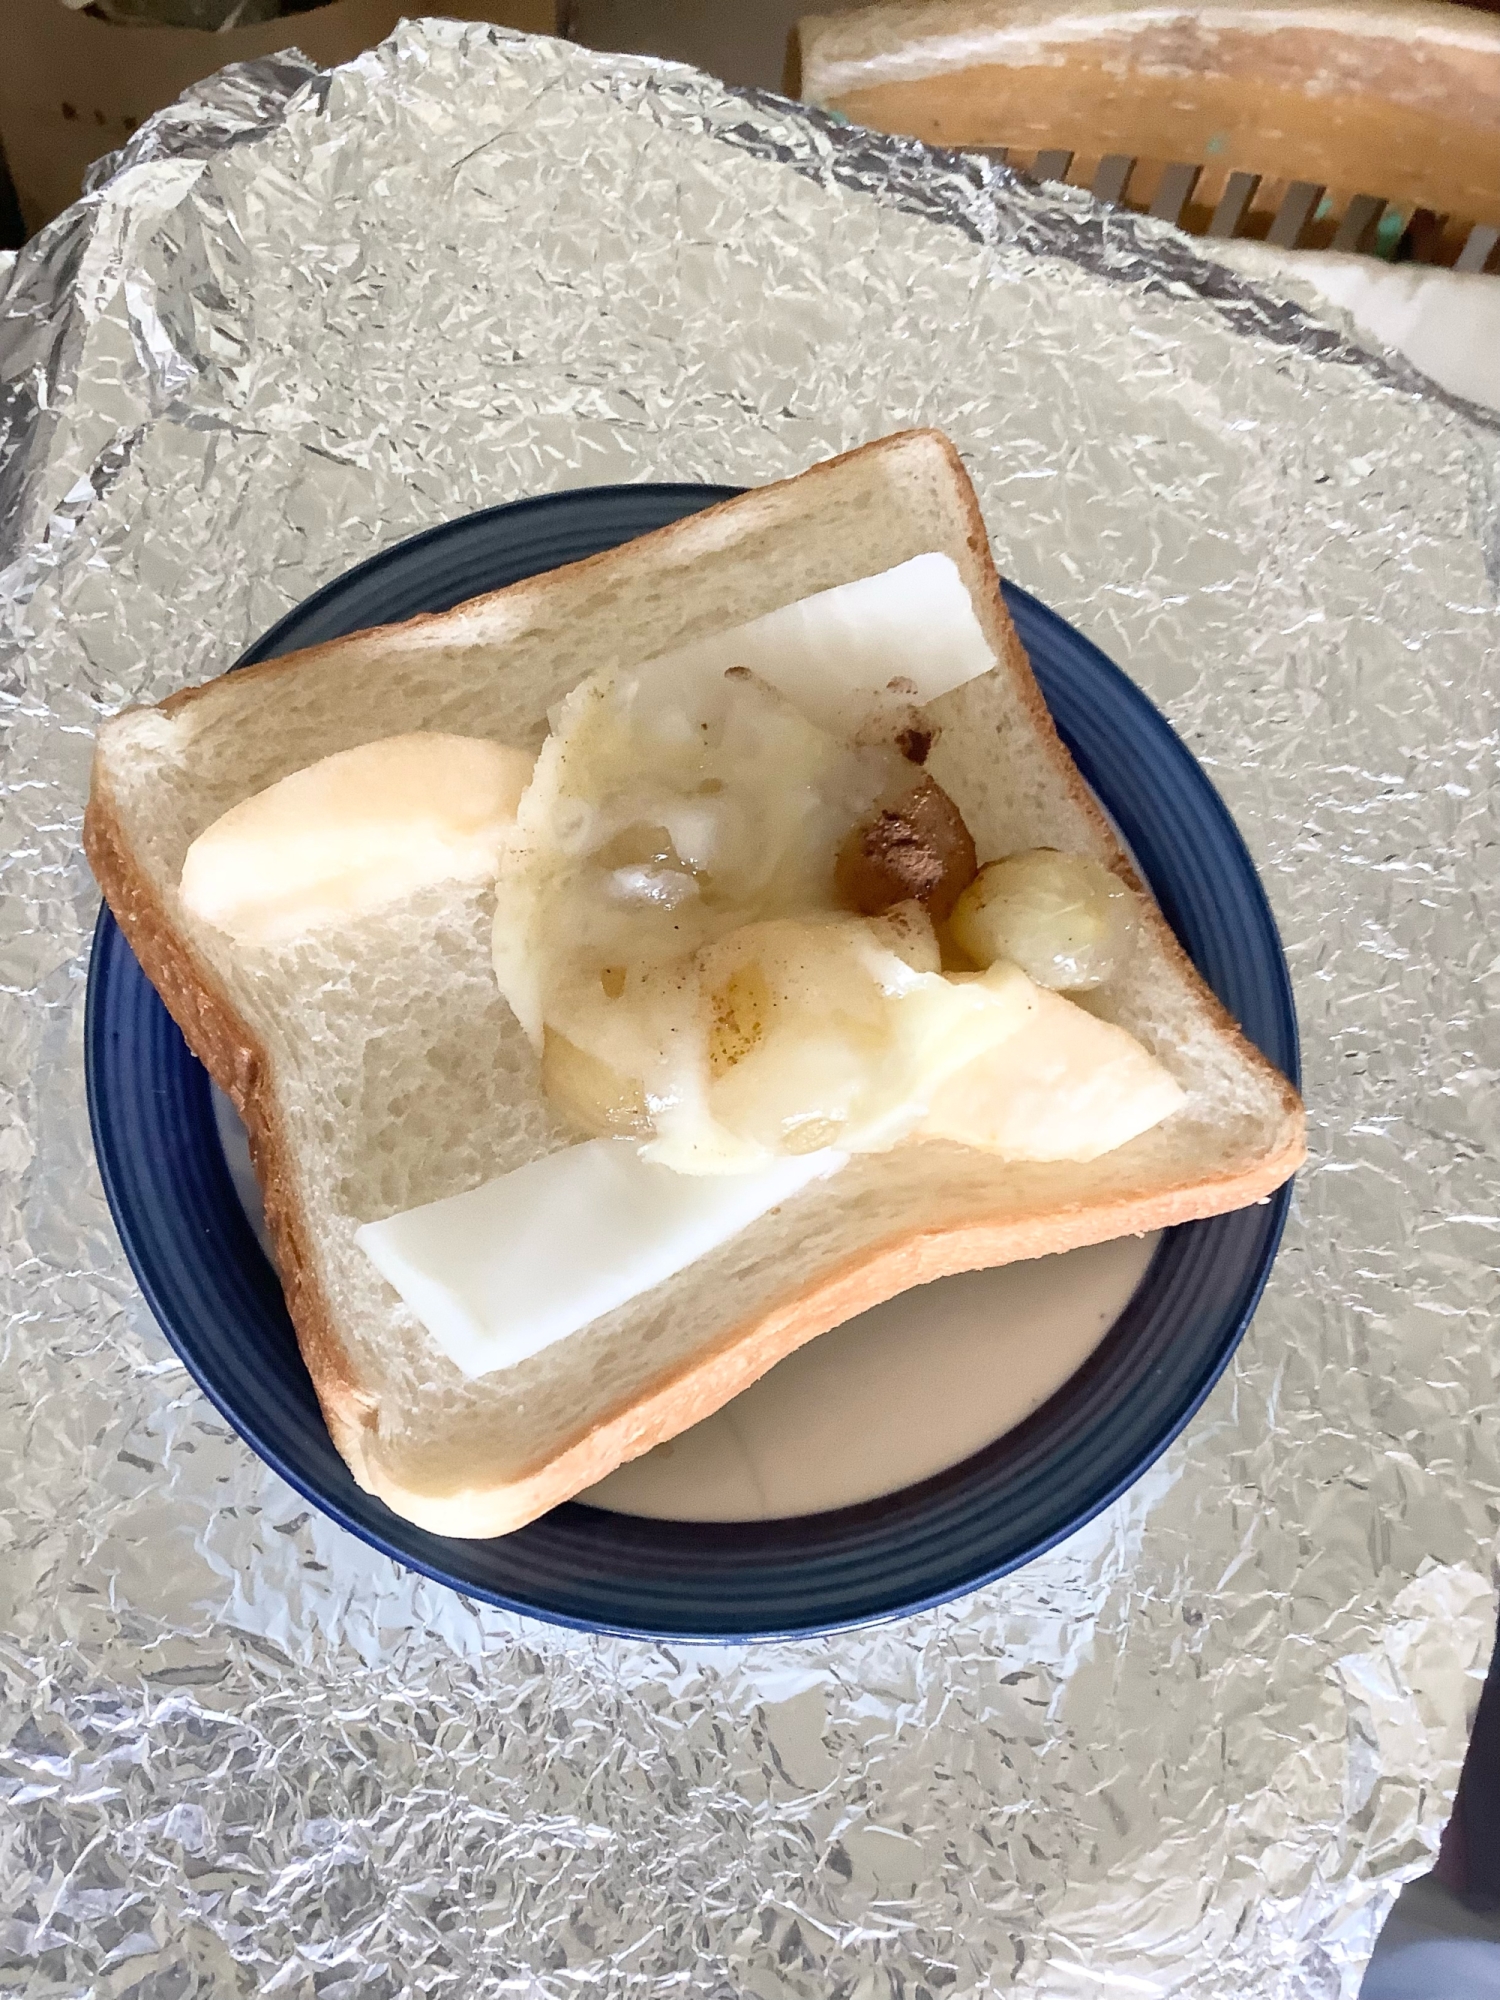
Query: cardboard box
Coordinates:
[73,87]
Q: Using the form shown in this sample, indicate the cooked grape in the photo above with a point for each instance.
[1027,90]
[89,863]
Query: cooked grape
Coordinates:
[589,1094]
[1063,918]
[916,849]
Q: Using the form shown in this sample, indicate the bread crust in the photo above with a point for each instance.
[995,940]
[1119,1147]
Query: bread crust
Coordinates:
[236,1059]
[462,1501]
[748,1351]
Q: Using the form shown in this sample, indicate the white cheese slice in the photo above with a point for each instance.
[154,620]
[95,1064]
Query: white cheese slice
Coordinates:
[836,655]
[353,832]
[505,1270]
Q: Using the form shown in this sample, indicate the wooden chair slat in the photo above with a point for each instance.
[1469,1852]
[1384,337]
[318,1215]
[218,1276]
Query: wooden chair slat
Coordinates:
[1392,104]
[1234,204]
[1294,214]
[1357,222]
[1113,177]
[1173,190]
[1052,165]
[1479,248]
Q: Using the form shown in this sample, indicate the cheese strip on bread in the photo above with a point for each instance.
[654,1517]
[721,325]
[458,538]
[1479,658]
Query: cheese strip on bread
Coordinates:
[377,1067]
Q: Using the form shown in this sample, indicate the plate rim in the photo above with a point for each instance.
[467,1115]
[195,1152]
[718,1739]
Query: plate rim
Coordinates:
[109,944]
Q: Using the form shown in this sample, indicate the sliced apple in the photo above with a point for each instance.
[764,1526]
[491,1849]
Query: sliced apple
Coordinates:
[353,832]
[1066,1086]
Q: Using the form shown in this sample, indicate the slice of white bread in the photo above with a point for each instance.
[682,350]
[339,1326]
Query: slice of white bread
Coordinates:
[376,1066]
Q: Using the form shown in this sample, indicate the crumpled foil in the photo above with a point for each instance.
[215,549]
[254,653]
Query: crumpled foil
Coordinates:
[1193,1750]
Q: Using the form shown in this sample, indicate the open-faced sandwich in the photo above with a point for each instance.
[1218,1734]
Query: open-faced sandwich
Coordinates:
[627,976]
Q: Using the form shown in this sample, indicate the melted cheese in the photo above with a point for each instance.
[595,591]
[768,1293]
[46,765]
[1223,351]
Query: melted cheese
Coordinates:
[702,798]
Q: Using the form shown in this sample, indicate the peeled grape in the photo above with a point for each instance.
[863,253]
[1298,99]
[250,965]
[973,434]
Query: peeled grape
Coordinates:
[1063,918]
[589,1094]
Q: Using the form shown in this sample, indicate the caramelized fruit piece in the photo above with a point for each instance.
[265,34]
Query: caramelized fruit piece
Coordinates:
[916,849]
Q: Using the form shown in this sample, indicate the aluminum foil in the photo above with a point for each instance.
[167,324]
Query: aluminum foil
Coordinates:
[1194,1749]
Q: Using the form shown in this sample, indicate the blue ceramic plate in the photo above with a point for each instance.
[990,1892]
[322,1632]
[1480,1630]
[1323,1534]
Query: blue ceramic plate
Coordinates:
[220,1304]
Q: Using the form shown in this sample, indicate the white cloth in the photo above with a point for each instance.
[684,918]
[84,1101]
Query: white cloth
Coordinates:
[1447,323]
